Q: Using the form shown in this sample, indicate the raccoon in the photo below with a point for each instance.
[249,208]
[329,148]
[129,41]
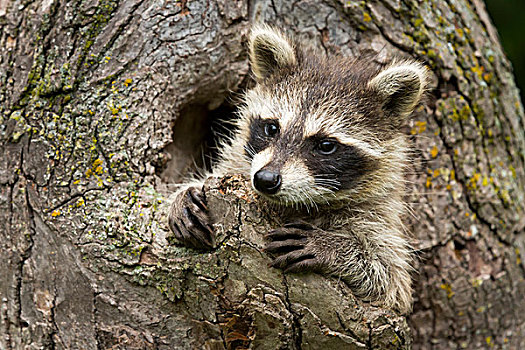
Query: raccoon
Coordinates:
[321,138]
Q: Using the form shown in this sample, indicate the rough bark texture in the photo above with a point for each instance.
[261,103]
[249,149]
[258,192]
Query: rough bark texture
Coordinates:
[103,102]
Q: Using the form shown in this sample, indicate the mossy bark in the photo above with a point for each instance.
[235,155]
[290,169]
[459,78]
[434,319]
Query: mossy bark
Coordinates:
[101,107]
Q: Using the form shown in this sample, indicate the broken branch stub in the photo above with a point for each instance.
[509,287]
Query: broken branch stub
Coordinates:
[260,307]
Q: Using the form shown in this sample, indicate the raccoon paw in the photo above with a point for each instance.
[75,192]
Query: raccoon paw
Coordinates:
[291,246]
[189,220]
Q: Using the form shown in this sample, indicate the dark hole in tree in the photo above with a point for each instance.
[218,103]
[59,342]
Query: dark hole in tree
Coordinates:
[459,245]
[197,134]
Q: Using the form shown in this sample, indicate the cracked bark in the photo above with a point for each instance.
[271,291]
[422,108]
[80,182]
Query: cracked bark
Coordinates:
[102,103]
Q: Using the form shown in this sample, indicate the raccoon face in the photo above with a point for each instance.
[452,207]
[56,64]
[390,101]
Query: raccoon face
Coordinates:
[318,131]
[295,158]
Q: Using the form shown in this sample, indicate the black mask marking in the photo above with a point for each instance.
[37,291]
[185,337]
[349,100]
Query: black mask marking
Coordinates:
[342,168]
[259,140]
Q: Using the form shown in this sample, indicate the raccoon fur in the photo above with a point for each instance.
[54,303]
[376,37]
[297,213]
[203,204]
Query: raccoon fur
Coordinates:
[320,137]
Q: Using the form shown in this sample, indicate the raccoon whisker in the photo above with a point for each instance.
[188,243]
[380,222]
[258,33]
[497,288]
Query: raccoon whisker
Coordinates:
[222,135]
[322,193]
[327,186]
[326,178]
[308,196]
[242,155]
[304,195]
[248,148]
[327,183]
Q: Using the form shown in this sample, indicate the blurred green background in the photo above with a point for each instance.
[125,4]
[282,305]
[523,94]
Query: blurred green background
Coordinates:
[509,18]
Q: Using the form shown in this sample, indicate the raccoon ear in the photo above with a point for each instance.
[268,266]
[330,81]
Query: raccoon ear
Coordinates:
[270,50]
[401,86]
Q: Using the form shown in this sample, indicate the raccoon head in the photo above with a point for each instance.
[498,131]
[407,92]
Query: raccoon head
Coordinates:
[319,130]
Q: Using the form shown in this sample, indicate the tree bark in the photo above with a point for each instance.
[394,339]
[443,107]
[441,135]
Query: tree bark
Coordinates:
[102,106]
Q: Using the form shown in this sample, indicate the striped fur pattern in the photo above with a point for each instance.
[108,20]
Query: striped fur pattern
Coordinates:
[330,128]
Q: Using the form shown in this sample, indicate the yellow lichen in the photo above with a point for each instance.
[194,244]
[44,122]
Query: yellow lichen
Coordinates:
[473,182]
[481,309]
[513,171]
[421,125]
[478,70]
[476,282]
[448,288]
[434,152]
[114,109]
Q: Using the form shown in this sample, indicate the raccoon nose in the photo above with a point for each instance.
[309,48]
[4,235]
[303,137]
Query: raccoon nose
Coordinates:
[267,181]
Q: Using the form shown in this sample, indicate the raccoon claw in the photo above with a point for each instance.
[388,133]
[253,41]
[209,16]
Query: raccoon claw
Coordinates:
[189,220]
[296,261]
[285,246]
[290,244]
[300,225]
[197,198]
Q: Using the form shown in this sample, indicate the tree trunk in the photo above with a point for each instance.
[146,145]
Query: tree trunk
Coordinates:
[104,104]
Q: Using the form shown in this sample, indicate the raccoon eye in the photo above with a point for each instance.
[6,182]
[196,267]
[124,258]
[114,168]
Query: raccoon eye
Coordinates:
[326,147]
[270,129]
